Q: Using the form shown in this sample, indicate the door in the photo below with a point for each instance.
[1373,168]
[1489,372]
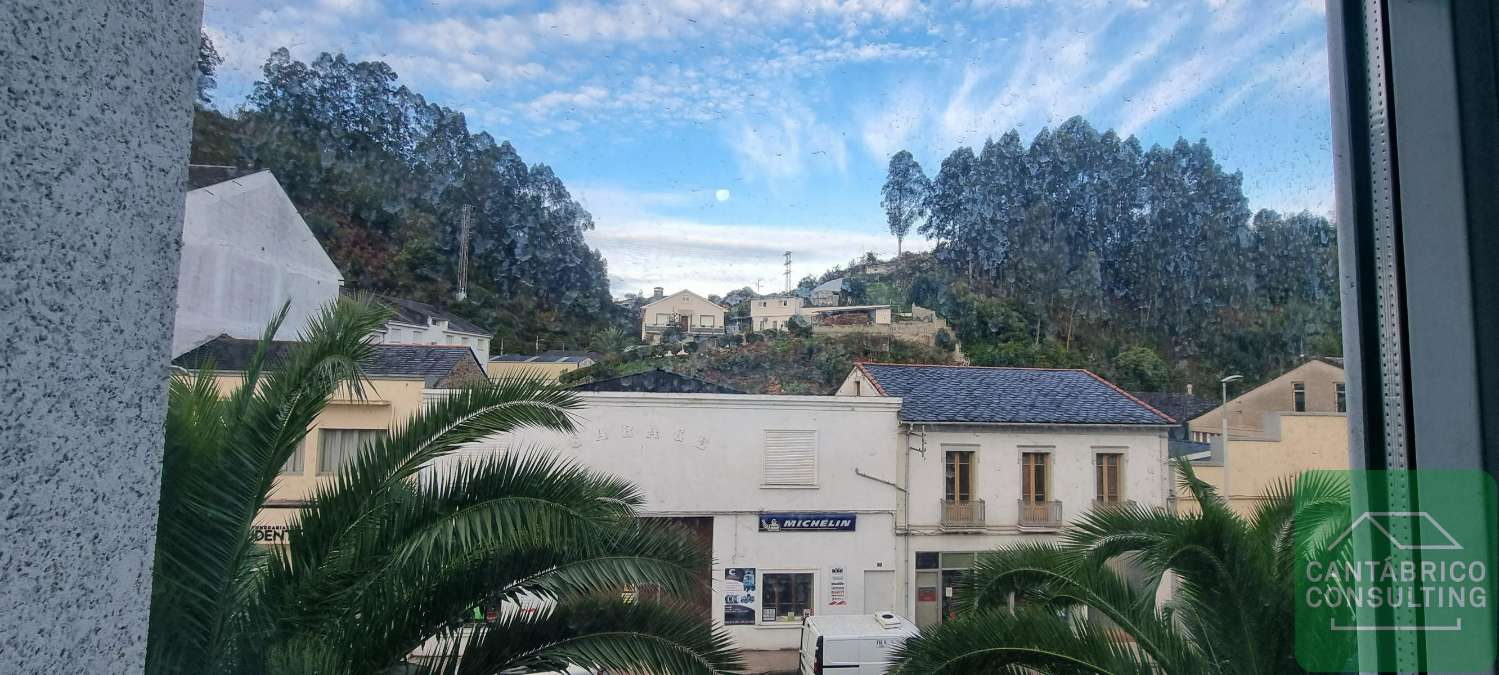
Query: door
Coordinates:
[879,591]
[928,609]
[951,579]
[684,322]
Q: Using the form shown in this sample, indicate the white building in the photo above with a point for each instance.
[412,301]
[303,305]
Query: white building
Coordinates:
[246,252]
[773,313]
[805,495]
[992,457]
[690,314]
[418,323]
[787,488]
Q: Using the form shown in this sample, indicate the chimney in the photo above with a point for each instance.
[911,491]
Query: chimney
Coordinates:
[657,293]
[1189,388]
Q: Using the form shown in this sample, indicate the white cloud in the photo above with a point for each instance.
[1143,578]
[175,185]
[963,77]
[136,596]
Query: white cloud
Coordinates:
[646,246]
[1301,73]
[1228,47]
[784,145]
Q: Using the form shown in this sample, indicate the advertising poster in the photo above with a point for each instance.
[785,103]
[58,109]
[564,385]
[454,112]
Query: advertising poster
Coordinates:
[837,588]
[739,595]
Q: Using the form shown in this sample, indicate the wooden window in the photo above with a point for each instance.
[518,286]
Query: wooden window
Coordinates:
[1106,476]
[1342,402]
[1298,392]
[1034,475]
[959,476]
[790,458]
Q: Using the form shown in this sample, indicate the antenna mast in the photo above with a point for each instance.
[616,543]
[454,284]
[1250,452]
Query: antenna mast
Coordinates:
[788,271]
[465,230]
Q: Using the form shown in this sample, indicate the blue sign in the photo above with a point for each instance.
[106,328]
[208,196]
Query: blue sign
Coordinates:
[807,522]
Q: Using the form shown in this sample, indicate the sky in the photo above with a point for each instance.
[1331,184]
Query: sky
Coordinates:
[707,137]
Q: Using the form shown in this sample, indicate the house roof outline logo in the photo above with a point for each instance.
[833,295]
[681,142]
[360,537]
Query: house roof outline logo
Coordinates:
[1370,517]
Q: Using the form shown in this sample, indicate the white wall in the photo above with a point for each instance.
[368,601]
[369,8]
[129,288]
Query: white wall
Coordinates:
[398,333]
[771,313]
[997,481]
[245,252]
[701,455]
[997,468]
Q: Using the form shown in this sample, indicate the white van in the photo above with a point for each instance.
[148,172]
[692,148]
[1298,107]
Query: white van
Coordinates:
[852,644]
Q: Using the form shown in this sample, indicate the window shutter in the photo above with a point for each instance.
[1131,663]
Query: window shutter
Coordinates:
[790,458]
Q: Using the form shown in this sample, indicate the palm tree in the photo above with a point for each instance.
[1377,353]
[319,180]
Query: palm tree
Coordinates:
[393,552]
[1232,610]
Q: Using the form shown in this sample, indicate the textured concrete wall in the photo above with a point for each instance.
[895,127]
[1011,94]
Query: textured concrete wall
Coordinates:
[95,118]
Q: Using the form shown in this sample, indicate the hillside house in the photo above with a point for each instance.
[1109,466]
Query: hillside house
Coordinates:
[690,314]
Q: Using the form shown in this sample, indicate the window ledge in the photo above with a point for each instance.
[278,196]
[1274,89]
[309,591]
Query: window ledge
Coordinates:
[767,486]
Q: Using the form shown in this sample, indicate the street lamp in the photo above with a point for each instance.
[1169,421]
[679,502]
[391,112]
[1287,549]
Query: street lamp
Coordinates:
[1223,418]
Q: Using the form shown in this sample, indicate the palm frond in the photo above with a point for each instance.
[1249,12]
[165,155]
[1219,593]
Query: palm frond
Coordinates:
[644,638]
[1031,640]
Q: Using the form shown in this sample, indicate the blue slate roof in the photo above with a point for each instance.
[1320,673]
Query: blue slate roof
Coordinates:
[964,394]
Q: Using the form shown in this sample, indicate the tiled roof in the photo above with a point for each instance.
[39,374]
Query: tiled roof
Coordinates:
[552,356]
[973,395]
[432,363]
[421,313]
[1181,407]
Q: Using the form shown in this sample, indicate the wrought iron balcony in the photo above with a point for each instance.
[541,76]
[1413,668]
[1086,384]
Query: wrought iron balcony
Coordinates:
[1101,504]
[962,513]
[1040,514]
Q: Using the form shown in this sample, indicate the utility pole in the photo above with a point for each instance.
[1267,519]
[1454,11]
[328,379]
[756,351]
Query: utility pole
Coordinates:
[1223,417]
[788,271]
[465,229]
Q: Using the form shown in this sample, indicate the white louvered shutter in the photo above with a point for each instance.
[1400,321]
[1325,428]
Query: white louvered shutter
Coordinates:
[790,458]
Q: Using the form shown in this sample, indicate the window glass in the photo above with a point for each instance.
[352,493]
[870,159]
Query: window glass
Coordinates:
[1342,398]
[1106,476]
[926,560]
[293,465]
[337,447]
[787,597]
[1298,393]
[1033,476]
[957,560]
[959,478]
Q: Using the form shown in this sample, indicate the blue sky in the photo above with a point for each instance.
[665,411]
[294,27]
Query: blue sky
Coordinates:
[707,137]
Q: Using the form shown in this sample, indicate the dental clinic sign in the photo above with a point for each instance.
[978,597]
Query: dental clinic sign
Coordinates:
[1395,571]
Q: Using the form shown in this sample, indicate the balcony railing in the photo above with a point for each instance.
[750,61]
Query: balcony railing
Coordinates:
[961,513]
[1040,514]
[1102,504]
[690,330]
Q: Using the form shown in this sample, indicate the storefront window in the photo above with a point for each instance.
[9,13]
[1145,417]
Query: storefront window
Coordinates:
[787,598]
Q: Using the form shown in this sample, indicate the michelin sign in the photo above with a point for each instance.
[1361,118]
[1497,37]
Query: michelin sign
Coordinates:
[807,522]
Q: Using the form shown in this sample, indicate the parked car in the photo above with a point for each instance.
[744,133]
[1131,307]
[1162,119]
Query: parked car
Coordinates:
[852,644]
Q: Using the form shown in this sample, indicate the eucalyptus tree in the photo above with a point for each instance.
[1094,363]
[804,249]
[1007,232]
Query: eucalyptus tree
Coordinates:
[904,192]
